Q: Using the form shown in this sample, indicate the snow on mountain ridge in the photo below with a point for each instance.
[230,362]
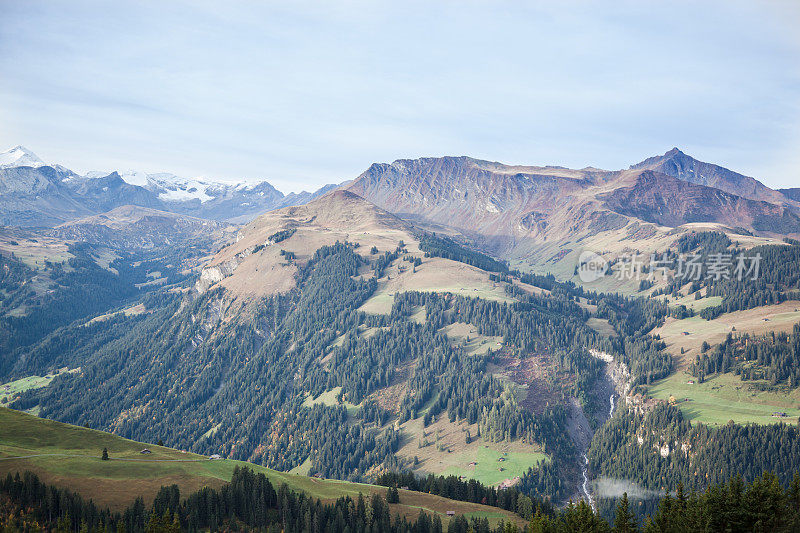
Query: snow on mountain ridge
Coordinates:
[167,186]
[19,156]
[172,188]
[100,191]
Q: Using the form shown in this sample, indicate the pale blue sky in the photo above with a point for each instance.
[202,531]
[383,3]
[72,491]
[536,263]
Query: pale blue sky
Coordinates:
[303,94]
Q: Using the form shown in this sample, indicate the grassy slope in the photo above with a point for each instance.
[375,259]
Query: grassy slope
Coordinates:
[696,305]
[9,391]
[726,397]
[13,388]
[433,275]
[451,455]
[35,253]
[781,317]
[487,467]
[601,326]
[69,456]
[459,332]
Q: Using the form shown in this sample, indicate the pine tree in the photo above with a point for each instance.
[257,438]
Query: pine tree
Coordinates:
[105,454]
[540,523]
[625,521]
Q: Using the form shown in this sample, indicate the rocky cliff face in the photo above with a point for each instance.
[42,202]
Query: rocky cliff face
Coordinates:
[487,200]
[507,203]
[669,201]
[686,168]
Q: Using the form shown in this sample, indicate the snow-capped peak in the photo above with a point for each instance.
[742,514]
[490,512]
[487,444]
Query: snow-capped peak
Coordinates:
[169,187]
[19,156]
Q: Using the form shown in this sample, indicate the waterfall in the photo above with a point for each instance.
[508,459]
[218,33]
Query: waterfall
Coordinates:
[585,486]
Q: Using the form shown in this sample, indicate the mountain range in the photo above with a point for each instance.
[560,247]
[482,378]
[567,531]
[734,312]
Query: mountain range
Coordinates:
[36,194]
[541,217]
[427,318]
[508,202]
[536,217]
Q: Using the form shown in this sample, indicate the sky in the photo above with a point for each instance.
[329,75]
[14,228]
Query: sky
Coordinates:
[307,93]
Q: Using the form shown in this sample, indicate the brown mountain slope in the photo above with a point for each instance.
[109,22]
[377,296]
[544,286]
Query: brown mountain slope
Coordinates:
[792,194]
[511,202]
[490,202]
[669,201]
[686,168]
[542,217]
[134,227]
[264,260]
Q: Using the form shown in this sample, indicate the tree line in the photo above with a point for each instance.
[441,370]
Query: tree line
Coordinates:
[251,503]
[774,357]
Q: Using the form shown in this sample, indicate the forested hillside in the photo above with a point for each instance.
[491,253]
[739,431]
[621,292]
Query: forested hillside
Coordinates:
[281,431]
[242,385]
[662,450]
[771,357]
[34,302]
[246,377]
[742,277]
[336,340]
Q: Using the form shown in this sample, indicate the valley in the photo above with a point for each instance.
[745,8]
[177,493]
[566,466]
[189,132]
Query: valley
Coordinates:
[429,318]
[392,267]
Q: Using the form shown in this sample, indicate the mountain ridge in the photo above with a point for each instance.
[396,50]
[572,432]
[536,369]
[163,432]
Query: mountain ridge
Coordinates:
[677,164]
[503,209]
[540,218]
[444,190]
[19,156]
[132,227]
[73,195]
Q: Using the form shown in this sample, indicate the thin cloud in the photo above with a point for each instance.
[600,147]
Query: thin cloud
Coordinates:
[305,93]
